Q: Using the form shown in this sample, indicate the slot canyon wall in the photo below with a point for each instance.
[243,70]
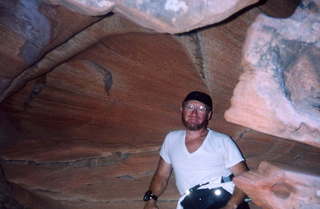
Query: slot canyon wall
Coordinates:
[89,88]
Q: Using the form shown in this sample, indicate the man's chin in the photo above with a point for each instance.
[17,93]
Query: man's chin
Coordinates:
[193,127]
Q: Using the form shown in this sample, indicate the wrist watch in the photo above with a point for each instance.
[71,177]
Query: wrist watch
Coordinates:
[149,195]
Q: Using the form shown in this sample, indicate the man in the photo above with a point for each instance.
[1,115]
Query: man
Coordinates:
[203,162]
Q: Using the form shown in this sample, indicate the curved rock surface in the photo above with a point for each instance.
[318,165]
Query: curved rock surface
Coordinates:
[172,16]
[29,29]
[84,39]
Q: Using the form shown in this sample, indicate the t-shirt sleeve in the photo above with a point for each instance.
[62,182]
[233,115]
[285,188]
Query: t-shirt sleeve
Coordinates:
[164,151]
[232,154]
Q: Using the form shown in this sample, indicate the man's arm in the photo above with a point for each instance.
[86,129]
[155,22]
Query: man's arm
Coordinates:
[159,182]
[238,195]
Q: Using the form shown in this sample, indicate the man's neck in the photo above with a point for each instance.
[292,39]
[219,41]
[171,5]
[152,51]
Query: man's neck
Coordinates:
[201,133]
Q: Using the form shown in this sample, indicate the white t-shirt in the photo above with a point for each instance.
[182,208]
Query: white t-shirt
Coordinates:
[209,162]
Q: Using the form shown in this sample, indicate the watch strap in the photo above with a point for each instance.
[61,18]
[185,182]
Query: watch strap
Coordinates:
[149,195]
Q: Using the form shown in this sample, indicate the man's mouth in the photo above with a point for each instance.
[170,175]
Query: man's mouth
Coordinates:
[193,120]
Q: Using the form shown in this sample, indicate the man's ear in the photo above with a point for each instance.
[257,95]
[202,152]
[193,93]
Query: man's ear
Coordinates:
[210,115]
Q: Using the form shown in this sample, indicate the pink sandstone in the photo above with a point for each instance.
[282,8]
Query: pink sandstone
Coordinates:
[279,186]
[172,16]
[279,91]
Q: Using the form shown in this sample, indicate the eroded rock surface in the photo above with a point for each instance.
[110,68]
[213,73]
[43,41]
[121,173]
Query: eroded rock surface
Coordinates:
[173,16]
[279,92]
[279,186]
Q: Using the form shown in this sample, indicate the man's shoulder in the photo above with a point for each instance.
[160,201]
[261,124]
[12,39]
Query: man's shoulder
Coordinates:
[176,133]
[174,137]
[218,134]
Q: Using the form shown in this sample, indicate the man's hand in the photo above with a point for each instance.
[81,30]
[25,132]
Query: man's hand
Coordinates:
[159,182]
[238,195]
[151,204]
[230,206]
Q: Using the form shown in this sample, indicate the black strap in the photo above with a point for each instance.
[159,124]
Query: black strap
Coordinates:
[192,189]
[149,195]
[225,179]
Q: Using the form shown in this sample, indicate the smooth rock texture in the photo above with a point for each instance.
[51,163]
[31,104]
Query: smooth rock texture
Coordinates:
[121,90]
[6,194]
[107,181]
[9,132]
[29,29]
[278,93]
[68,49]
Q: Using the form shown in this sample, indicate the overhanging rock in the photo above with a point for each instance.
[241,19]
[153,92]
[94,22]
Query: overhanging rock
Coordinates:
[279,91]
[172,16]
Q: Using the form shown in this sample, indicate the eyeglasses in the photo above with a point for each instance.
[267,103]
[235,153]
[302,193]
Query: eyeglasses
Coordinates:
[192,107]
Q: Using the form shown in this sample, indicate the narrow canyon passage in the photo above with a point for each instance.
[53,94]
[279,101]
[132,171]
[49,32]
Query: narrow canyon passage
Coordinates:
[88,91]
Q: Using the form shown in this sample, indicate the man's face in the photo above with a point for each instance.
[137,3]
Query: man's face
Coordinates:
[195,115]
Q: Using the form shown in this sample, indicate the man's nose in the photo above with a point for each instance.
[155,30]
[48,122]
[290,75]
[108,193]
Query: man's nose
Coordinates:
[194,111]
